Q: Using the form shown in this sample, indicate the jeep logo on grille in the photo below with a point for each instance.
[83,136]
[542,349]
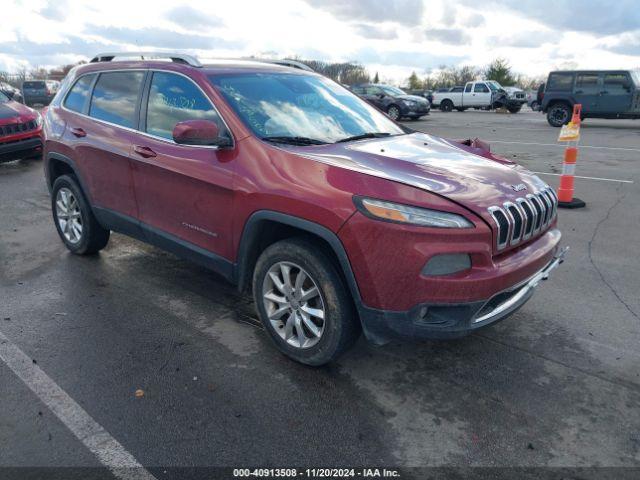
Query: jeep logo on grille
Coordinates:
[519,187]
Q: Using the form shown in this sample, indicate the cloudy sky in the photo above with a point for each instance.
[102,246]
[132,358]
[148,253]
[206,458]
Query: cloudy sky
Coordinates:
[394,37]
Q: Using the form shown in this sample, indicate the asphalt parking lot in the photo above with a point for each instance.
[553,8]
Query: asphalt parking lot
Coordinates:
[555,385]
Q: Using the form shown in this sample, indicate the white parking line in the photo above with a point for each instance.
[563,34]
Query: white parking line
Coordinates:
[108,450]
[563,146]
[587,178]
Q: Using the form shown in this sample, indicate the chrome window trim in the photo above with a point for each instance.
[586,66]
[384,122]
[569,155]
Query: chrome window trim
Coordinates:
[135,130]
[513,240]
[492,210]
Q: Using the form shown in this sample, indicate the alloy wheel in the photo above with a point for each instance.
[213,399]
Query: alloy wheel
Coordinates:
[393,113]
[559,114]
[68,215]
[294,304]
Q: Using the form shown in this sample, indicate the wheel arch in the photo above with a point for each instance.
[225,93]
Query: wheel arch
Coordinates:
[57,164]
[266,227]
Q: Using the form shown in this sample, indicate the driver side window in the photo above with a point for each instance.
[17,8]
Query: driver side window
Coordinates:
[173,99]
[480,87]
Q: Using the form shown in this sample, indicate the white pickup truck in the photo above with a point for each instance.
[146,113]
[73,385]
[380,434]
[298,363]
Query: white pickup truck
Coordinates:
[483,94]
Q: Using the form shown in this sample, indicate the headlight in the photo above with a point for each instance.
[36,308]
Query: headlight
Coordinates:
[38,119]
[410,103]
[396,212]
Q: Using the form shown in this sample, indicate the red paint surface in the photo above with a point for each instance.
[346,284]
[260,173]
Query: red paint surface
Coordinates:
[217,191]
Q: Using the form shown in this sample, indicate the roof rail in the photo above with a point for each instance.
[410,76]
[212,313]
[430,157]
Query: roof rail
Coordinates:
[174,57]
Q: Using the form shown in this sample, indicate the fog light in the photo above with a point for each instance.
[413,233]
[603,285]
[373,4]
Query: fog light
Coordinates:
[446,264]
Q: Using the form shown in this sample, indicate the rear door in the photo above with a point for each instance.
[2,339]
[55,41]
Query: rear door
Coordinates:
[375,96]
[617,93]
[480,96]
[100,131]
[184,192]
[587,90]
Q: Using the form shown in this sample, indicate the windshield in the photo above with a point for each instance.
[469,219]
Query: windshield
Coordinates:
[3,98]
[299,105]
[494,86]
[393,91]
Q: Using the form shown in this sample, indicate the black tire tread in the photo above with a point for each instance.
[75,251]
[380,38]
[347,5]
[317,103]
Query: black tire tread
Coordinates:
[95,238]
[307,254]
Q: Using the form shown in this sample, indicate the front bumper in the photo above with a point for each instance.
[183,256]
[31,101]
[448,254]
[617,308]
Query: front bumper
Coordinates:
[414,111]
[23,148]
[446,321]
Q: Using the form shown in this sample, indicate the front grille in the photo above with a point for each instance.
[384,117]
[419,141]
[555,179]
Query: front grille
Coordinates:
[15,128]
[520,220]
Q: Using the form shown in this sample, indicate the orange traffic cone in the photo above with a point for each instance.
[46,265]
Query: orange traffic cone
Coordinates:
[565,190]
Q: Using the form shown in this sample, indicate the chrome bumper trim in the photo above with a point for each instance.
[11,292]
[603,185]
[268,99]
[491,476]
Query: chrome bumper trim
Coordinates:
[523,294]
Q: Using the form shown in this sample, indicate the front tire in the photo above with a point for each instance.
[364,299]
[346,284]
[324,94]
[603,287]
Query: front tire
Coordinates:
[393,112]
[303,302]
[77,226]
[514,109]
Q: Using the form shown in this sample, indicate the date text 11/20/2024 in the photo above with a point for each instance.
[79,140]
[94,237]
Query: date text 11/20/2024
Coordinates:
[317,473]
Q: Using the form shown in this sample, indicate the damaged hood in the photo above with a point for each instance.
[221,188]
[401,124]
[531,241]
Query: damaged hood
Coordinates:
[14,112]
[458,172]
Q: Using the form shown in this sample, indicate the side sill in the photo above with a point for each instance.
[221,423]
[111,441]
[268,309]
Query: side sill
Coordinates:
[141,231]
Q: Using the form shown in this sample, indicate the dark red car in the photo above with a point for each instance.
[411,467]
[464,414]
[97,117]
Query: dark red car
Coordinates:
[20,131]
[282,181]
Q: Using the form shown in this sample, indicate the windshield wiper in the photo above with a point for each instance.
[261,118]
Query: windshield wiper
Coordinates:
[363,136]
[294,140]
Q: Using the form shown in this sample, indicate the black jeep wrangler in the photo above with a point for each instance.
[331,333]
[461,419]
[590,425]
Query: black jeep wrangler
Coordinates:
[602,93]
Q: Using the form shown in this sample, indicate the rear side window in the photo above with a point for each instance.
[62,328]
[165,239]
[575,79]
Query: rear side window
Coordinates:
[616,82]
[173,99]
[480,87]
[587,82]
[467,89]
[115,98]
[560,81]
[79,93]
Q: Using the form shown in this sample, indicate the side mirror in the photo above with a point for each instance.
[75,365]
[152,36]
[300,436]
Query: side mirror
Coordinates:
[199,132]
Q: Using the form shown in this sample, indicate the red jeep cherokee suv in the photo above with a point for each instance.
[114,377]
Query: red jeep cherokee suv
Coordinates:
[281,180]
[20,130]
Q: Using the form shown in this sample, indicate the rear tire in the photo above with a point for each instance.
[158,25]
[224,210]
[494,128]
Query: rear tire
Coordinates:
[74,220]
[558,114]
[534,105]
[311,328]
[514,109]
[446,105]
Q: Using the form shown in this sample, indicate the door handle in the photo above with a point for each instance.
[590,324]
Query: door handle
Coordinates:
[78,132]
[145,152]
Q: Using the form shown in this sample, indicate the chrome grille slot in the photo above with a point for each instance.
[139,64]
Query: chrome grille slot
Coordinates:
[517,221]
[502,224]
[526,217]
[548,208]
[539,208]
[529,216]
